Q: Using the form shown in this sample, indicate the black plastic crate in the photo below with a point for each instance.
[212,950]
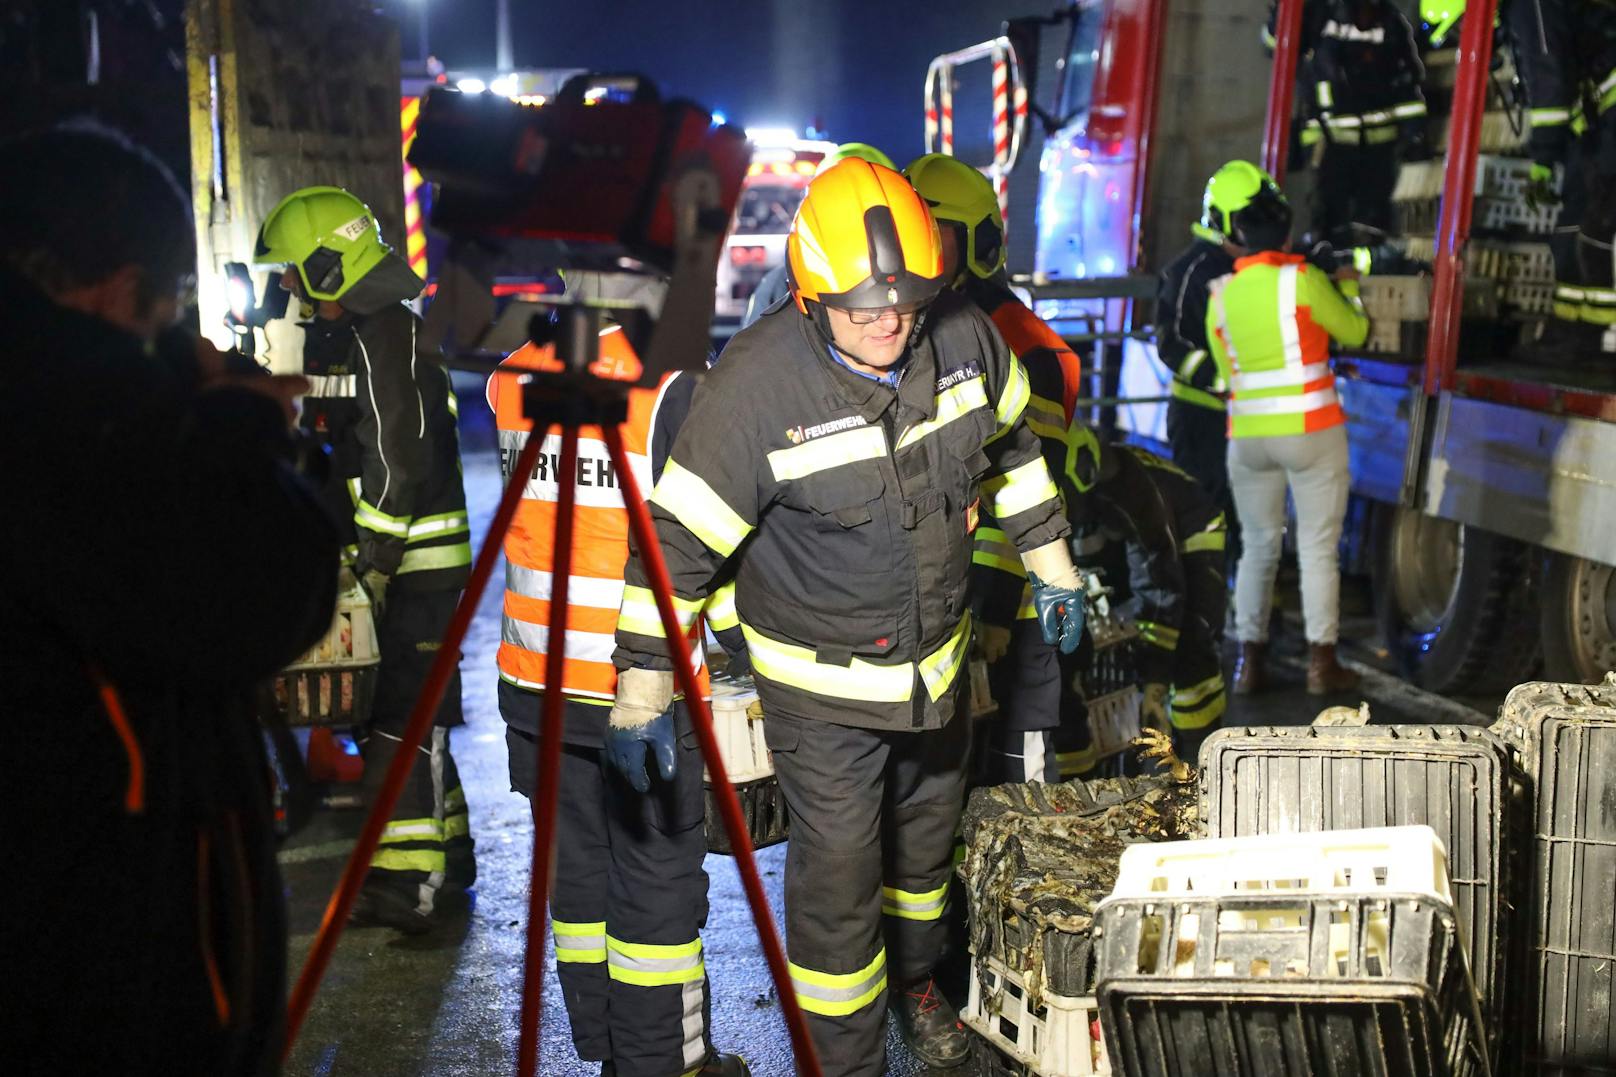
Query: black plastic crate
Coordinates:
[1454,779]
[764,807]
[1567,741]
[1287,984]
[1068,957]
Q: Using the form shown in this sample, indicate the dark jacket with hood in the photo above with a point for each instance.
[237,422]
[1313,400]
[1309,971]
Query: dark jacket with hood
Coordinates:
[388,414]
[159,558]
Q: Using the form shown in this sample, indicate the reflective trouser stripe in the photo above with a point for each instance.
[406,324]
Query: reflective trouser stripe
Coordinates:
[831,994]
[431,861]
[1163,636]
[908,905]
[580,944]
[412,830]
[1199,705]
[649,965]
[1072,764]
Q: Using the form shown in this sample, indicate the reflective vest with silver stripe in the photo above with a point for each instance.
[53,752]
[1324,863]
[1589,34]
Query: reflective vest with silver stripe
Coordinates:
[1271,324]
[600,536]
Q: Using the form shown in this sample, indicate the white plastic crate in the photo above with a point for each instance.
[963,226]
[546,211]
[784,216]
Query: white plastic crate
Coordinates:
[1393,859]
[334,681]
[1396,298]
[740,736]
[1059,1037]
[1114,721]
[350,642]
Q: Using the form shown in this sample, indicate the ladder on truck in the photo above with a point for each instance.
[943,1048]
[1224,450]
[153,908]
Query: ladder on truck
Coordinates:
[1009,108]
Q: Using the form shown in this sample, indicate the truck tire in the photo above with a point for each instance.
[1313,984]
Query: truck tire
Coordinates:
[1454,603]
[1578,619]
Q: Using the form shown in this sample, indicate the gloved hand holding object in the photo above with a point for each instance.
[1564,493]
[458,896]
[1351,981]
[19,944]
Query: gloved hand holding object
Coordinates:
[994,641]
[642,717]
[1540,192]
[375,582]
[1153,708]
[1059,591]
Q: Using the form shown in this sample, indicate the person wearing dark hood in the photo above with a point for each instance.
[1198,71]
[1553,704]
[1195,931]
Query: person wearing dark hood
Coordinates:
[389,418]
[161,557]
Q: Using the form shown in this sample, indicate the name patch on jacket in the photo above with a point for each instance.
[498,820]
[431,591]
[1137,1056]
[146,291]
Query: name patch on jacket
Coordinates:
[970,370]
[799,434]
[1349,32]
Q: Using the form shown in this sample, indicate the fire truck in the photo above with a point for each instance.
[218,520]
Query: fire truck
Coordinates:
[1484,510]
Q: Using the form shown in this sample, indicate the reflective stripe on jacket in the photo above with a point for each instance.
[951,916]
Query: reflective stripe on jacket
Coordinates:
[595,591]
[856,503]
[1270,327]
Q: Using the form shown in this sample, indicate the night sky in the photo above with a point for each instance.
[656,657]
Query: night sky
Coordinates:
[858,67]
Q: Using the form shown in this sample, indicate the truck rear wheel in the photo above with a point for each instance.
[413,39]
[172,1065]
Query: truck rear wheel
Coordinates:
[1452,601]
[1579,619]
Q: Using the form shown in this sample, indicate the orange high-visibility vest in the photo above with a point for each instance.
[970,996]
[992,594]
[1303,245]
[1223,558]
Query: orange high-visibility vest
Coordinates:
[600,527]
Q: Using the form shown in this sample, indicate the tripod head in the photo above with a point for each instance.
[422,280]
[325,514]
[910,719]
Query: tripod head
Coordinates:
[607,178]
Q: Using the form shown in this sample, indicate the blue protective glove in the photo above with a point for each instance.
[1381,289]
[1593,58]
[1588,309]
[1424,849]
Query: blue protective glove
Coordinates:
[1060,614]
[626,750]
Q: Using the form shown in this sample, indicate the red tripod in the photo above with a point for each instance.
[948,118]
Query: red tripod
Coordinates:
[570,400]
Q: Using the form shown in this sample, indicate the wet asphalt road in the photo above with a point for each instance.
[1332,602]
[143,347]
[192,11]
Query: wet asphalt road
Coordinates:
[446,1004]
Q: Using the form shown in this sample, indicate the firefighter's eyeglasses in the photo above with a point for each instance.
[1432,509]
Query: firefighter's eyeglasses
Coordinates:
[866,315]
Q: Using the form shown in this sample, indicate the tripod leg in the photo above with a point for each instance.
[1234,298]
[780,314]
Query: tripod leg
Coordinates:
[544,817]
[353,876]
[644,532]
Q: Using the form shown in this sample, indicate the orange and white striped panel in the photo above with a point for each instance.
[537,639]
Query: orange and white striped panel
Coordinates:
[409,110]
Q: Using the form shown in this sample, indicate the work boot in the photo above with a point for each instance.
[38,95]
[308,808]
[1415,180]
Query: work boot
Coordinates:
[383,903]
[719,1064]
[1558,342]
[1326,676]
[931,1026]
[1249,676]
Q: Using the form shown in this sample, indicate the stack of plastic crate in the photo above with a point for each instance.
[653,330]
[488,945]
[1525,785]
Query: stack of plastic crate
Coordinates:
[1399,308]
[738,727]
[1524,271]
[1329,953]
[1110,686]
[1457,780]
[1565,739]
[334,682]
[1039,858]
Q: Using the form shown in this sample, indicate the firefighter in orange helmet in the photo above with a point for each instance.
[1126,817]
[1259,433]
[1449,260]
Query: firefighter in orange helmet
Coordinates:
[630,893]
[837,460]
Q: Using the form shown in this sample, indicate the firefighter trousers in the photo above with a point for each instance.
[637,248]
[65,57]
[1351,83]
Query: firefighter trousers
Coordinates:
[873,819]
[1355,188]
[1026,685]
[1198,700]
[1200,442]
[628,906]
[427,843]
[1584,284]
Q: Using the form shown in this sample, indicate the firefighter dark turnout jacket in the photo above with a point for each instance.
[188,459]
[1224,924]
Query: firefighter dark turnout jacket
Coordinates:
[1181,299]
[858,502]
[389,417]
[1365,72]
